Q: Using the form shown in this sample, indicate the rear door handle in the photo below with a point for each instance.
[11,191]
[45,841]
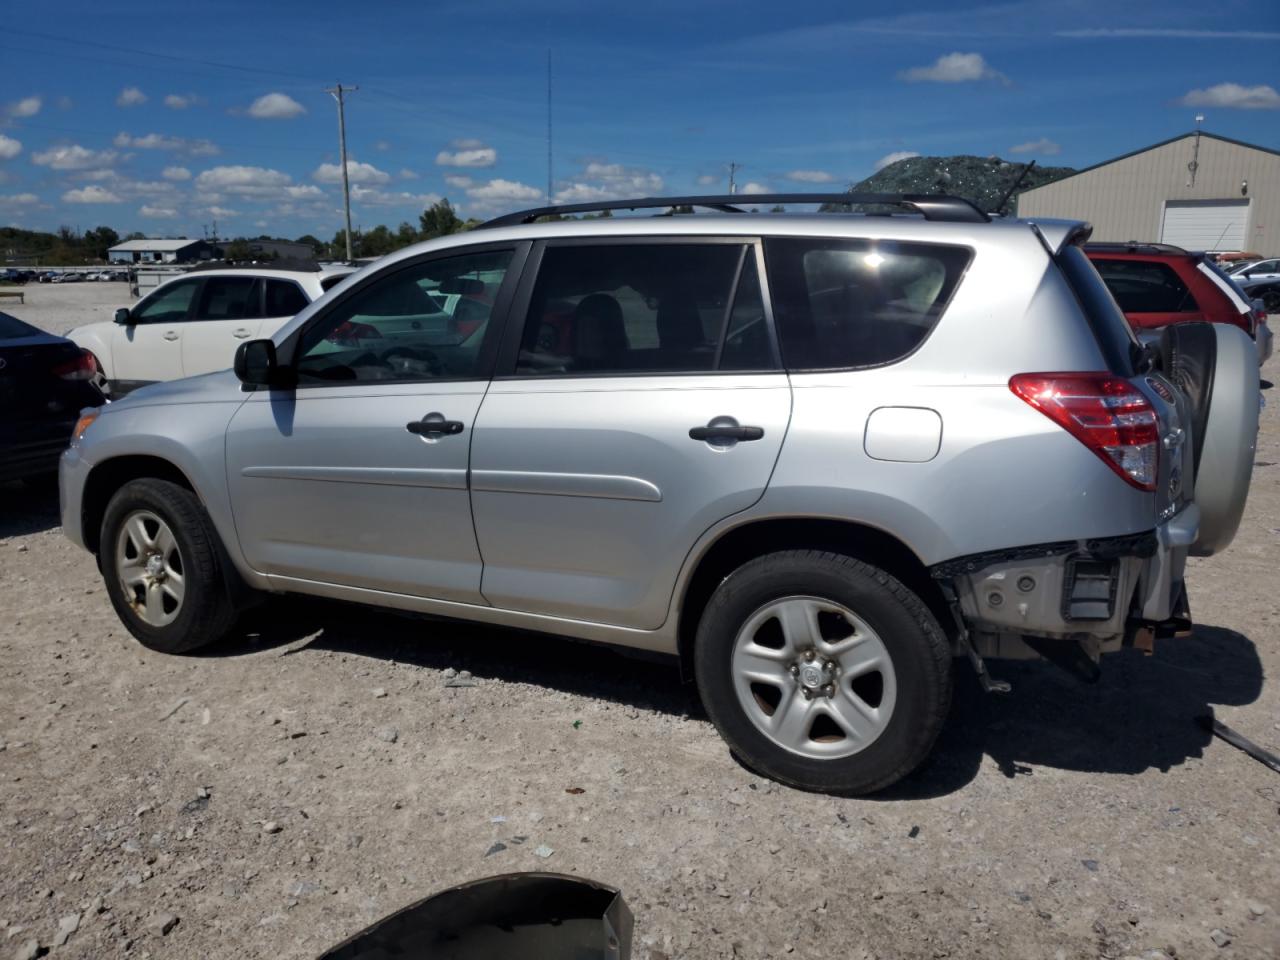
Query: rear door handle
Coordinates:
[241,333]
[434,425]
[171,334]
[725,429]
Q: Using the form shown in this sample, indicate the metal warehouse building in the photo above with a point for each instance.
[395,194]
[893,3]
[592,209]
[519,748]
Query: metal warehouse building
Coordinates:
[1198,191]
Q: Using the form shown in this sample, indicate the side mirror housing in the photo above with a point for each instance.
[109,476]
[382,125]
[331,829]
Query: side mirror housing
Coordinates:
[256,364]
[123,316]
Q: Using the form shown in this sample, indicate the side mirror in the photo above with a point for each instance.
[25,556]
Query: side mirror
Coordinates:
[123,316]
[256,364]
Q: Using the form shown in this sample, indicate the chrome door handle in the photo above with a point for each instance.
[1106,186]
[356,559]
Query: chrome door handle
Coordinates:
[171,334]
[242,333]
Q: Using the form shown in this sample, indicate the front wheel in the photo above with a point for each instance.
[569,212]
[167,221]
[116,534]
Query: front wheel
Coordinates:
[160,564]
[823,672]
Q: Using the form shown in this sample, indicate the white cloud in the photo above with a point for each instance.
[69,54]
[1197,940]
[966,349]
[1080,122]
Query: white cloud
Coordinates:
[243,181]
[467,153]
[707,179]
[1234,96]
[159,141]
[894,157]
[382,146]
[157,213]
[373,197]
[90,194]
[18,199]
[609,181]
[810,176]
[752,186]
[176,173]
[9,147]
[26,107]
[500,191]
[303,192]
[357,172]
[407,174]
[1044,146]
[221,212]
[106,173]
[73,157]
[261,224]
[130,97]
[175,101]
[457,181]
[276,106]
[955,68]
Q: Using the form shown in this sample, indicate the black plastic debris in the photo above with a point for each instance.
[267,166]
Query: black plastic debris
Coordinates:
[521,916]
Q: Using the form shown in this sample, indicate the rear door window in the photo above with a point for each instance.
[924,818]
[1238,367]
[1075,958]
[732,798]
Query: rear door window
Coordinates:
[1146,286]
[840,304]
[636,308]
[229,298]
[284,298]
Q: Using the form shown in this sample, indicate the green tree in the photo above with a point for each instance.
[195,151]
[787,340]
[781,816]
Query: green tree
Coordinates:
[98,242]
[406,234]
[377,242]
[440,220]
[238,249]
[317,246]
[136,235]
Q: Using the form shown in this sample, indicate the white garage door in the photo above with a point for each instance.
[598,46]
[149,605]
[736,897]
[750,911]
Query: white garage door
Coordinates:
[1205,224]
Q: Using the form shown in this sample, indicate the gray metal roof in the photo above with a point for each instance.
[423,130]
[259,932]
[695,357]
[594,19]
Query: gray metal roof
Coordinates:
[157,246]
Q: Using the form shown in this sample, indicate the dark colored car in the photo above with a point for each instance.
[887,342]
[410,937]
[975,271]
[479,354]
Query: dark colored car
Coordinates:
[1157,284]
[45,381]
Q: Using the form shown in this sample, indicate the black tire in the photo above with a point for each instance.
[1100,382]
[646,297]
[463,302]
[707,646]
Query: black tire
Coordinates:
[916,645]
[206,613]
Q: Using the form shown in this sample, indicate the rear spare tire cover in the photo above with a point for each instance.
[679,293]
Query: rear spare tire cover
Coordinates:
[1216,365]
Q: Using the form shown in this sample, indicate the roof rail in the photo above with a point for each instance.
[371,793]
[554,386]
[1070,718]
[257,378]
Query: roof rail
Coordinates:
[931,206]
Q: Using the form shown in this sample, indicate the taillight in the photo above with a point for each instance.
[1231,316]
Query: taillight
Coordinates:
[1105,413]
[81,368]
[349,331]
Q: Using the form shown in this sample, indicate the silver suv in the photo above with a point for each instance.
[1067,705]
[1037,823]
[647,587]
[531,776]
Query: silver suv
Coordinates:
[815,457]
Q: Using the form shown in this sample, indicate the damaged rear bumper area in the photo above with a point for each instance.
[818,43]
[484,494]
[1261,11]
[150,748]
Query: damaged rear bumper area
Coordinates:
[1073,600]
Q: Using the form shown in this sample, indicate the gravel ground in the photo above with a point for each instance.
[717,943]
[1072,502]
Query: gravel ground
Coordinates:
[283,792]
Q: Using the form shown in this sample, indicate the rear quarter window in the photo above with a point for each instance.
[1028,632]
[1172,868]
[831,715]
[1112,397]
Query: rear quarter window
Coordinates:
[840,304]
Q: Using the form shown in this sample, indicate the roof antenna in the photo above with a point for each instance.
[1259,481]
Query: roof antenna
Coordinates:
[998,209]
[1194,165]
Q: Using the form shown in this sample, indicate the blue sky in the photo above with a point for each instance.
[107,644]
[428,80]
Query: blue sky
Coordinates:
[166,118]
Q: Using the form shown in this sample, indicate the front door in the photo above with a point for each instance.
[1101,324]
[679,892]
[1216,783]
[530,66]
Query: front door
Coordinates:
[149,348]
[642,403]
[358,477]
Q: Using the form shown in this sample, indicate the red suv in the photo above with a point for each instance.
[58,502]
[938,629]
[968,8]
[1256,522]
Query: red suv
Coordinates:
[1156,284]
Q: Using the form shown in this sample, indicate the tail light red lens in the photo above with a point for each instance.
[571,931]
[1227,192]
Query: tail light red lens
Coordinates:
[349,331]
[81,368]
[1107,414]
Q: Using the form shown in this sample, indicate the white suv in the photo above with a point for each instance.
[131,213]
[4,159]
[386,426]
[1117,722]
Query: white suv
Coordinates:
[193,323]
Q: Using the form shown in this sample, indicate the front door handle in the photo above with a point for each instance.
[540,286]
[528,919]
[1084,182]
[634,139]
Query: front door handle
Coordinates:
[241,333]
[434,425]
[171,334]
[725,428]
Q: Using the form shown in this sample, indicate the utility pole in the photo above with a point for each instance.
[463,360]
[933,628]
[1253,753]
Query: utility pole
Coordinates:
[337,94]
[733,169]
[549,177]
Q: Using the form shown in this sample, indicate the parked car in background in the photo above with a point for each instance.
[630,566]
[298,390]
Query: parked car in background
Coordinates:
[69,276]
[770,445]
[1157,284]
[45,381]
[1267,292]
[1258,270]
[192,323]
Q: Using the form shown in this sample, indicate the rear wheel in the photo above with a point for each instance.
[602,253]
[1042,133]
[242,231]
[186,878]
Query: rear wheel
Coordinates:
[160,565]
[823,672]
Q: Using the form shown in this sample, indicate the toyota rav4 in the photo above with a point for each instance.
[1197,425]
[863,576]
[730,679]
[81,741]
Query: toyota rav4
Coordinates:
[815,457]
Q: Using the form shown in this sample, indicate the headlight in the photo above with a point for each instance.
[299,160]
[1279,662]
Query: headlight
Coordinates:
[86,419]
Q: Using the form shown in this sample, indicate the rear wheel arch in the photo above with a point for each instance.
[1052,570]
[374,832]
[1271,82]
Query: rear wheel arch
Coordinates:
[749,541]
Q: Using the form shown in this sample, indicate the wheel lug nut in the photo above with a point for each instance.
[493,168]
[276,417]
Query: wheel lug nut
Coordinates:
[809,654]
[794,670]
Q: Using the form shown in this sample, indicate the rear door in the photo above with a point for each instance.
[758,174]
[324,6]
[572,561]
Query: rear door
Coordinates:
[639,401]
[1150,293]
[149,348]
[227,313]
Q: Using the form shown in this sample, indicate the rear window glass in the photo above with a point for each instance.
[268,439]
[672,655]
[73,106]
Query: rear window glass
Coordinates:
[1145,286]
[11,328]
[1110,328]
[857,303]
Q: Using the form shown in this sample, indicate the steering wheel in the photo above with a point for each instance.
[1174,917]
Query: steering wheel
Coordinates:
[410,353]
